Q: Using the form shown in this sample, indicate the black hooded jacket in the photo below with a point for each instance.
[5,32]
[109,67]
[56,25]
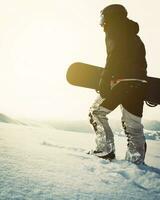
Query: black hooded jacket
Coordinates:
[125,51]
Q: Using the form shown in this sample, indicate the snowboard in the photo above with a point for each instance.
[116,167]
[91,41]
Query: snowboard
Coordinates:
[88,76]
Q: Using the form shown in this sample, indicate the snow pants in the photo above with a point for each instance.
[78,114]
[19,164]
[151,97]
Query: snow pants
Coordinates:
[132,109]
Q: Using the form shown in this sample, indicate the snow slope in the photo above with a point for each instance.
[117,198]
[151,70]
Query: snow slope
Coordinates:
[48,164]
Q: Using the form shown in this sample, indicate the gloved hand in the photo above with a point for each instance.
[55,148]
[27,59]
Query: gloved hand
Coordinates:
[104,84]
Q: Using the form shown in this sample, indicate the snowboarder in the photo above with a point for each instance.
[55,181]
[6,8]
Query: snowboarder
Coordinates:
[125,70]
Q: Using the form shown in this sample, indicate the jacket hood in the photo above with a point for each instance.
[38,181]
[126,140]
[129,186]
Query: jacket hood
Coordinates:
[132,27]
[122,26]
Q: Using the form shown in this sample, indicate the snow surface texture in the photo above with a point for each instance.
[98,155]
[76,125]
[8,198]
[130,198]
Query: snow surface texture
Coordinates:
[48,164]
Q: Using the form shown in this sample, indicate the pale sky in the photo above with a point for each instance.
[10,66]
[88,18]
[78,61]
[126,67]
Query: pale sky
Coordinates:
[39,39]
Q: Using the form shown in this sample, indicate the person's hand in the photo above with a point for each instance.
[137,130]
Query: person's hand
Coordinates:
[104,83]
[104,87]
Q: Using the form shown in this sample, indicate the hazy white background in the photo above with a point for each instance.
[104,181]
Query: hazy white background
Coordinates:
[40,38]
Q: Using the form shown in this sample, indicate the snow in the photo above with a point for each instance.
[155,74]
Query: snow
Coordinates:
[41,163]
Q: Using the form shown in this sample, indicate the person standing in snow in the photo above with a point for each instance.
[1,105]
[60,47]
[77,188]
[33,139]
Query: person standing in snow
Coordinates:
[122,83]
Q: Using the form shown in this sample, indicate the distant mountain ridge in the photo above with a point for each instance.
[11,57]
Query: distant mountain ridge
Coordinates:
[84,126]
[6,119]
[152,127]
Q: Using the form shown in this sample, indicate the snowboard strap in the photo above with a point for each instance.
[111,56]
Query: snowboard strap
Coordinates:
[151,104]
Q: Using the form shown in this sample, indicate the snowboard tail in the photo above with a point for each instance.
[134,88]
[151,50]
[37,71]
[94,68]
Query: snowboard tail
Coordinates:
[84,75]
[88,76]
